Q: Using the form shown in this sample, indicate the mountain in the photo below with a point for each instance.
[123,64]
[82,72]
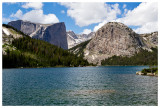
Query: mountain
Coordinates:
[86,36]
[116,39]
[8,35]
[75,39]
[150,39]
[20,50]
[113,39]
[79,49]
[52,33]
[71,38]
[72,34]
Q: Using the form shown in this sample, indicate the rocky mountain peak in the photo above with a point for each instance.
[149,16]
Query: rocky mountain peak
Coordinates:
[52,33]
[26,27]
[75,39]
[113,39]
[72,34]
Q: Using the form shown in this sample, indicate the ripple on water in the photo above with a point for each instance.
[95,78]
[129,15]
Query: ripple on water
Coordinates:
[109,86]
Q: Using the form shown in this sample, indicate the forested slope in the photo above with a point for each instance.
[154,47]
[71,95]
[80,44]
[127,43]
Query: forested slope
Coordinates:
[28,52]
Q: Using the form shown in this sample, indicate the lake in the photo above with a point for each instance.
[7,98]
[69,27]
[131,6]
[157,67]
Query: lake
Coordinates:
[79,86]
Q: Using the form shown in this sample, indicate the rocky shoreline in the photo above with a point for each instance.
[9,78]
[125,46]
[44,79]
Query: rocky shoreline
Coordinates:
[148,74]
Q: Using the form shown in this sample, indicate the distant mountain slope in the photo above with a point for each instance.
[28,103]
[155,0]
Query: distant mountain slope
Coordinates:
[150,39]
[19,50]
[52,33]
[79,49]
[75,39]
[8,35]
[116,39]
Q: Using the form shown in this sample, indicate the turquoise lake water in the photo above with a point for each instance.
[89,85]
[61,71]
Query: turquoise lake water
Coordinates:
[79,86]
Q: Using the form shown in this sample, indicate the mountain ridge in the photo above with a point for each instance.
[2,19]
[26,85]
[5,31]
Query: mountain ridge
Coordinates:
[52,33]
[20,50]
[76,39]
[112,39]
[115,39]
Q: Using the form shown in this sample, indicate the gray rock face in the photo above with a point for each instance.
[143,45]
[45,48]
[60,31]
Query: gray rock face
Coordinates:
[86,36]
[24,26]
[71,38]
[52,33]
[75,39]
[113,39]
[72,34]
[150,39]
[56,34]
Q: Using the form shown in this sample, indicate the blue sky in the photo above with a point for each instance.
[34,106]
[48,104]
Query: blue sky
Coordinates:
[85,17]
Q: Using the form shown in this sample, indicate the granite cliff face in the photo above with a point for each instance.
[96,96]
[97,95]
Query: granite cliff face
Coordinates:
[52,33]
[150,39]
[25,26]
[56,34]
[113,39]
[71,38]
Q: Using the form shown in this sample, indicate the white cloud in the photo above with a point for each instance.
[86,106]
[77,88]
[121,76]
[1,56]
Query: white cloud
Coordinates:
[62,11]
[34,5]
[18,14]
[85,14]
[113,11]
[99,25]
[145,12]
[147,28]
[145,16]
[86,31]
[124,6]
[37,16]
[125,12]
[11,2]
[6,20]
